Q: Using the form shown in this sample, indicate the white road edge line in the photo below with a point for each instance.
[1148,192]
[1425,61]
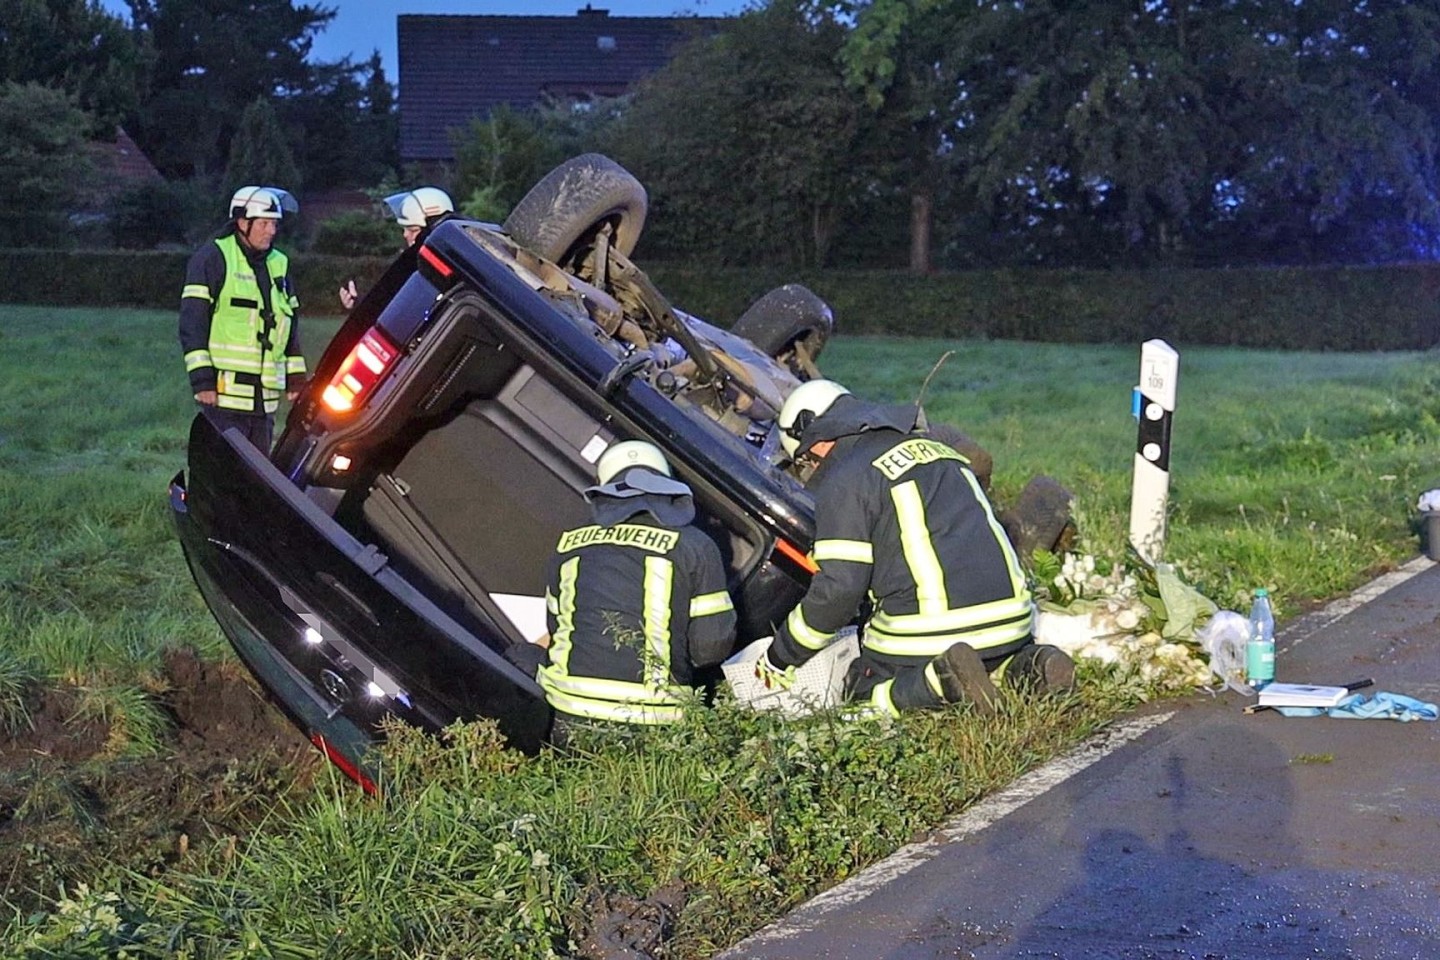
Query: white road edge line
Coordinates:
[809,915]
[1312,623]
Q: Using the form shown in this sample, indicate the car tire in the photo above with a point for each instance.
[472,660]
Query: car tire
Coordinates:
[575,199]
[1040,518]
[981,463]
[784,317]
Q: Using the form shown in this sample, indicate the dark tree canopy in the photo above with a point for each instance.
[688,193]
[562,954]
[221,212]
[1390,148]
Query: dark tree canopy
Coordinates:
[344,131]
[213,58]
[44,167]
[500,157]
[749,141]
[830,131]
[1174,131]
[259,154]
[75,46]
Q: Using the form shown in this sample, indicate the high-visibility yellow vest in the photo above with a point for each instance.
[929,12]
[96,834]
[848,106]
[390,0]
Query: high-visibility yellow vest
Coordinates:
[247,345]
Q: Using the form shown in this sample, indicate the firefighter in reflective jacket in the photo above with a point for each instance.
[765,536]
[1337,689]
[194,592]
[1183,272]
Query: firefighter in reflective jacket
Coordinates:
[901,523]
[237,318]
[635,601]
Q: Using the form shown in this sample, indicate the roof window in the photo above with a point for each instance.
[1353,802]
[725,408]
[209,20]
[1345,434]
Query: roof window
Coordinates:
[605,44]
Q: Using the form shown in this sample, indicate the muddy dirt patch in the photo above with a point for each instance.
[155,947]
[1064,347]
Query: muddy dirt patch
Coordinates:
[75,808]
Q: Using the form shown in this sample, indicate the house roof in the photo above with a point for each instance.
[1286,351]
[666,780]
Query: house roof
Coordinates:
[456,68]
[122,163]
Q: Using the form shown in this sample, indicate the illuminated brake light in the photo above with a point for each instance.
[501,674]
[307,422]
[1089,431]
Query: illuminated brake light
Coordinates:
[360,372]
[365,355]
[794,553]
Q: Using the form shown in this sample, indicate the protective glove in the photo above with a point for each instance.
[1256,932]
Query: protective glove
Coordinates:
[774,678]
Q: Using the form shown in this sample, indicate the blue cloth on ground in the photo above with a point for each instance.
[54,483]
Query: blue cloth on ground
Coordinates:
[1379,706]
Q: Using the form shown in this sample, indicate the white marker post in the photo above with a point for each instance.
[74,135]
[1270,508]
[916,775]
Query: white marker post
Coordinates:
[1153,405]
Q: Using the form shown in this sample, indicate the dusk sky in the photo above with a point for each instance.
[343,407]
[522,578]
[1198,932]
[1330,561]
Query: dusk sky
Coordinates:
[364,25]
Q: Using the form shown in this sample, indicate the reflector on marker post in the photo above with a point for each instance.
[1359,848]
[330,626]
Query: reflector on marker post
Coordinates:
[1153,404]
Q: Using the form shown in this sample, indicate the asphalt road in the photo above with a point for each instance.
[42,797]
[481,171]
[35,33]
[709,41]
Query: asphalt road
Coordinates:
[1190,831]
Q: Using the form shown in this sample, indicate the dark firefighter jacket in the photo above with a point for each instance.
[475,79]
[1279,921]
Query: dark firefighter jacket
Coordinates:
[237,326]
[902,525]
[635,602]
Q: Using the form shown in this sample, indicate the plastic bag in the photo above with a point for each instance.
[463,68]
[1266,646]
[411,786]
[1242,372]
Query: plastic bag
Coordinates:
[1223,638]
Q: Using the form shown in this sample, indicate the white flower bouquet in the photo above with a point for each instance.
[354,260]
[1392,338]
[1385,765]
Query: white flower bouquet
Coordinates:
[1140,619]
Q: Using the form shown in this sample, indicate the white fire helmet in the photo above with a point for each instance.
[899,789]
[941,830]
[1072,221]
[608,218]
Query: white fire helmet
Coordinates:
[262,203]
[806,402]
[418,207]
[630,453]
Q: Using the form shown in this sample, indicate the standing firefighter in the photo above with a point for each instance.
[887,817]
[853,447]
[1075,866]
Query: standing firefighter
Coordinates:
[414,211]
[636,601]
[902,524]
[237,318]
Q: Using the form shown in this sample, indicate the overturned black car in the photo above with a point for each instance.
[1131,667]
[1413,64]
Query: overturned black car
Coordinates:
[394,545]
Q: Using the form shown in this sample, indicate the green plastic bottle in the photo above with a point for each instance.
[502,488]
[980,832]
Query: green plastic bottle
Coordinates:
[1260,648]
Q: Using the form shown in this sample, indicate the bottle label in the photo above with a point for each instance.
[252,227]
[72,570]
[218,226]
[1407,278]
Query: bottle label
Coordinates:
[1259,662]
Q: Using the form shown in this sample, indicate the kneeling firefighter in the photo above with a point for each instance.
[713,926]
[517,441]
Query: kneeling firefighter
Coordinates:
[902,523]
[636,601]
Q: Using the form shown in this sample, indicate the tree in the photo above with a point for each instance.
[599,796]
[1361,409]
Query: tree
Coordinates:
[74,45]
[259,154]
[379,129]
[212,58]
[749,140]
[1164,130]
[344,132]
[499,158]
[896,58]
[44,167]
[175,213]
[1336,151]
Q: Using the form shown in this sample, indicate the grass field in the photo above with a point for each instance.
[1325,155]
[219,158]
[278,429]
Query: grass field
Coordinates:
[1294,471]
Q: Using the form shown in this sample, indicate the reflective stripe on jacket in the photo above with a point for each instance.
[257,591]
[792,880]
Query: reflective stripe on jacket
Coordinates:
[239,335]
[901,521]
[633,608]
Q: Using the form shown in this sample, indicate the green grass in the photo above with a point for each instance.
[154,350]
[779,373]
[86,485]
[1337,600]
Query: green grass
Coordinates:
[479,851]
[94,414]
[1294,471]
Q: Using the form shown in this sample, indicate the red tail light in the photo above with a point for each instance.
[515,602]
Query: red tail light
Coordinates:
[440,266]
[360,372]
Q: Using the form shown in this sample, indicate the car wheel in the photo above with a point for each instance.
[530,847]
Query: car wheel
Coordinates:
[573,201]
[791,324]
[1040,518]
[981,463]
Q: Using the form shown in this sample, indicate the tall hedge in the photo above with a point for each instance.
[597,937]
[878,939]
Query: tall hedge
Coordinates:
[116,278]
[1314,308]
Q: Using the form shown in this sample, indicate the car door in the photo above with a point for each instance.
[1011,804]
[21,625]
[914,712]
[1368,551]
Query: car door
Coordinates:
[343,637]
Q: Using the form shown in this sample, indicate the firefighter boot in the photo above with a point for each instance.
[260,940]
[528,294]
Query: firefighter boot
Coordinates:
[1043,668]
[963,678]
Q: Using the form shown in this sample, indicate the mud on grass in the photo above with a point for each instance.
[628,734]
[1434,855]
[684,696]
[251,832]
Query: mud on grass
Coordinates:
[72,811]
